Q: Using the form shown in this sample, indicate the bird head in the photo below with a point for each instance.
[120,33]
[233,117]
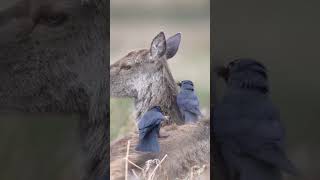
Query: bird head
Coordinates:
[186,84]
[157,108]
[222,72]
[245,73]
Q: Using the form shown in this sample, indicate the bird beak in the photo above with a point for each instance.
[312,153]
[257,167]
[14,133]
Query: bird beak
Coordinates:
[179,84]
[222,71]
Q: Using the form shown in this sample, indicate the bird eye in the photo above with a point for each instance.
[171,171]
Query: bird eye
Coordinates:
[232,63]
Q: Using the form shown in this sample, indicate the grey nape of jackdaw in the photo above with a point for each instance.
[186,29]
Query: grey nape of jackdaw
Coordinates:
[149,130]
[248,133]
[188,102]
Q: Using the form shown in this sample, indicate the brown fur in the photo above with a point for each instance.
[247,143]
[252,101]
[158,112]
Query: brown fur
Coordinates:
[150,82]
[187,145]
[53,59]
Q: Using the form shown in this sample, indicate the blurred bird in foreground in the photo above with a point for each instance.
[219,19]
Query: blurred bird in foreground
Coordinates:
[188,102]
[248,133]
[149,130]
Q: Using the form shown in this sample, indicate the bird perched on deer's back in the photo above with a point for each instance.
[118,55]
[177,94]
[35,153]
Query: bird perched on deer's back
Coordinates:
[149,130]
[248,133]
[188,102]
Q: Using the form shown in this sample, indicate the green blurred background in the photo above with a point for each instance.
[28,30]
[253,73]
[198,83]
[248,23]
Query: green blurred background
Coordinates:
[133,25]
[39,146]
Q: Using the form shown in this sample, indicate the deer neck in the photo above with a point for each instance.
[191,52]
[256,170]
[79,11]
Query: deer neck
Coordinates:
[162,91]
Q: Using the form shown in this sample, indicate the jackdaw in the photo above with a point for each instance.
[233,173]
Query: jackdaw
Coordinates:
[247,129]
[188,102]
[149,130]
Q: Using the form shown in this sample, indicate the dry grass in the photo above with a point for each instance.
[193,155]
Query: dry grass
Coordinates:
[184,154]
[196,172]
[148,172]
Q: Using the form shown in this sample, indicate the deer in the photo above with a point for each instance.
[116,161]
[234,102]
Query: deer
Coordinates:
[144,75]
[53,59]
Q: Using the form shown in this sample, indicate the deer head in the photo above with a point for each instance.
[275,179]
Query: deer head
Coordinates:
[145,76]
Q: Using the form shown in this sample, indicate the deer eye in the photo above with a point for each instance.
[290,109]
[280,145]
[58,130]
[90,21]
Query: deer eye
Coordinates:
[54,20]
[125,67]
[57,19]
[51,19]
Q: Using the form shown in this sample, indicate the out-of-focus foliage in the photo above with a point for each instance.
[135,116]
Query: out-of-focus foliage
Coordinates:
[39,146]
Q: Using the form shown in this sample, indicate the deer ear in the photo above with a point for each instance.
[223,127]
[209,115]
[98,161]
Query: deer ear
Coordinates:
[173,45]
[158,46]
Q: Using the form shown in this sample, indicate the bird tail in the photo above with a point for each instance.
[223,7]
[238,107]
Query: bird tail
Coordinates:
[244,168]
[149,143]
[278,159]
[190,117]
[290,168]
[253,169]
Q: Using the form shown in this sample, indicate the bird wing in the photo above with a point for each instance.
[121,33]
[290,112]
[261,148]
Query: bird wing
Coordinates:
[237,115]
[254,129]
[267,145]
[149,143]
[148,122]
[188,101]
[274,155]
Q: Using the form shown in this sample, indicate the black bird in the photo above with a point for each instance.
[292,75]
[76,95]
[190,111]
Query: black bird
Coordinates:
[188,102]
[149,130]
[247,129]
